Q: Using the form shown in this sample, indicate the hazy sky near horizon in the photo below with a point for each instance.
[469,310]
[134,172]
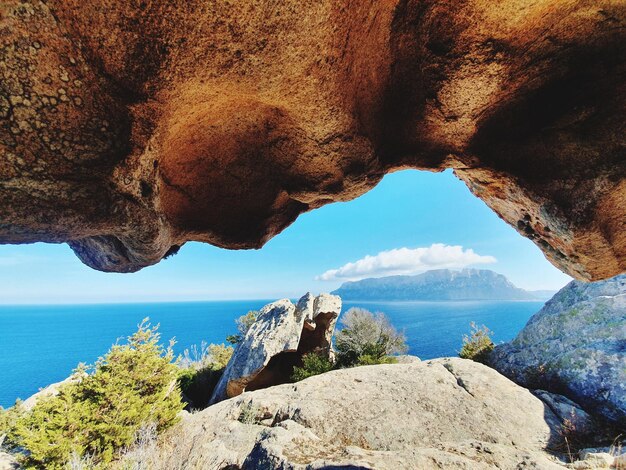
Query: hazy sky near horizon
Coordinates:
[411,222]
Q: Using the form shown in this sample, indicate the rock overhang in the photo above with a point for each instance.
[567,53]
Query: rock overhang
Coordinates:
[127,130]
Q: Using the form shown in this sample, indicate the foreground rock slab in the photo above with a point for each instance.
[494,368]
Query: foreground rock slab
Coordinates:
[275,343]
[445,413]
[576,346]
[130,128]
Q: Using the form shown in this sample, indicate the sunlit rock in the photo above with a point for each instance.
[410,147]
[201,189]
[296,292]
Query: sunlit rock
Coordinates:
[129,128]
[276,341]
[575,345]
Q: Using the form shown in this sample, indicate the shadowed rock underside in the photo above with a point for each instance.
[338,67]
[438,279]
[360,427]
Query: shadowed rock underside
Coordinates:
[129,128]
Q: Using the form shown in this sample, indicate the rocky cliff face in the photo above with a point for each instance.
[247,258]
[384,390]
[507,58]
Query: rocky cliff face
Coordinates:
[129,128]
[575,345]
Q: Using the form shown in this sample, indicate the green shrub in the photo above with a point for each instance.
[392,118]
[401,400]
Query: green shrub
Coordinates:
[201,370]
[368,360]
[312,364]
[8,419]
[478,344]
[250,413]
[211,355]
[99,414]
[244,323]
[367,338]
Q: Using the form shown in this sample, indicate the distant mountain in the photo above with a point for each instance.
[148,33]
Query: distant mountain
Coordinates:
[440,284]
[543,294]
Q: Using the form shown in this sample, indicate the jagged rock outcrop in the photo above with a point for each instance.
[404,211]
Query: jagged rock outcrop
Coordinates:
[575,345]
[276,341]
[444,413]
[129,128]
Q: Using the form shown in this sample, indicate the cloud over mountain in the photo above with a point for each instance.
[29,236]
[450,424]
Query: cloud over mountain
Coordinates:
[407,261]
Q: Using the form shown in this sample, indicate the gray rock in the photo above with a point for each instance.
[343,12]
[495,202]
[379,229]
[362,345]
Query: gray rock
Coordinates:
[282,333]
[407,359]
[575,345]
[598,459]
[566,409]
[8,462]
[445,413]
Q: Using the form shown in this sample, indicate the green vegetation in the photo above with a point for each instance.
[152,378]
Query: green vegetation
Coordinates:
[200,371]
[367,338]
[244,323]
[478,344]
[96,415]
[250,413]
[312,364]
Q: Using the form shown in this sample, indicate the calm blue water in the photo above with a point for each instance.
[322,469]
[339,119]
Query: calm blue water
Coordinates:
[40,345]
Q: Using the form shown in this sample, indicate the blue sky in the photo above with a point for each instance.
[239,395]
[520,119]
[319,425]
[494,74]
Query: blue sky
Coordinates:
[402,218]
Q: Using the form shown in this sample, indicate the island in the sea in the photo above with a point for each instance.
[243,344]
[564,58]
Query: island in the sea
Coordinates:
[439,285]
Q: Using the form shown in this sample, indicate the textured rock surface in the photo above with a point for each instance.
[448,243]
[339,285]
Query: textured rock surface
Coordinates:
[566,409]
[575,345]
[445,413]
[276,341]
[129,128]
[7,462]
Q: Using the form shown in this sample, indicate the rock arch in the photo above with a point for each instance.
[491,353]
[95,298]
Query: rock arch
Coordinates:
[129,128]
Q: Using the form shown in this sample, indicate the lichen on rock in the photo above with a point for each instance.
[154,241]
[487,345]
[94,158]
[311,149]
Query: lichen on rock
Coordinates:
[576,346]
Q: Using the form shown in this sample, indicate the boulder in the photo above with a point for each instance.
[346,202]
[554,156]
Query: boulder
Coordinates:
[277,340]
[130,128]
[576,346]
[444,413]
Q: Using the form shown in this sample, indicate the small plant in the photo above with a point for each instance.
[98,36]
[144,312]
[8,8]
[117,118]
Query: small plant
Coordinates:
[139,455]
[367,338]
[211,355]
[312,364]
[478,344]
[244,323]
[617,450]
[250,413]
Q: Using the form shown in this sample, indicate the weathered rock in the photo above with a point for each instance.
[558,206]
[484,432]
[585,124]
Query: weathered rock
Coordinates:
[276,342]
[596,458]
[445,413]
[566,410]
[8,462]
[129,128]
[575,345]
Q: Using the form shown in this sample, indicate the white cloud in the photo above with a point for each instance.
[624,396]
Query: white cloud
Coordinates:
[406,261]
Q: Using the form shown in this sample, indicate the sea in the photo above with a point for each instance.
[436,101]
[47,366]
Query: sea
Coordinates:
[42,344]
